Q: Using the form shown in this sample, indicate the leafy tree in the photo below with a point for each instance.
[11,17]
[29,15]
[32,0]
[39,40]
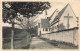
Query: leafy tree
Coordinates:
[28,9]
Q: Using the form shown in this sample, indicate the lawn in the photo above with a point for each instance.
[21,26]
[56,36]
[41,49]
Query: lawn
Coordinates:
[22,38]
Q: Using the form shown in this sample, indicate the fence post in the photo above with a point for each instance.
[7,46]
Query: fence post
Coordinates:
[77,37]
[75,40]
[62,36]
[74,32]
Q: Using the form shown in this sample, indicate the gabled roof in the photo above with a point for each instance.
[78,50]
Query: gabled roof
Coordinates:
[45,23]
[60,13]
[52,14]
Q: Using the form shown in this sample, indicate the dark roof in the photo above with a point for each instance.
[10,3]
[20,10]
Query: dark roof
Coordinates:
[60,13]
[45,23]
[52,14]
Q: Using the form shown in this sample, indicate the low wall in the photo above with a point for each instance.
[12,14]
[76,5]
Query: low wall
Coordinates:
[70,36]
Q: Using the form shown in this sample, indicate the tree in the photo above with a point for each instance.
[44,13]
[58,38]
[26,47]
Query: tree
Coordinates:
[8,16]
[28,9]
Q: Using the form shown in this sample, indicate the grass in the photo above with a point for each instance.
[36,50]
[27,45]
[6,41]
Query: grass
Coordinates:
[21,38]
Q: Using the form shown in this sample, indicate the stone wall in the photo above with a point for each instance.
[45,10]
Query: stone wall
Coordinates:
[69,36]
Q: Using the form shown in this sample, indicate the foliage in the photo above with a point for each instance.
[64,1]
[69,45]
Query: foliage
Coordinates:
[28,9]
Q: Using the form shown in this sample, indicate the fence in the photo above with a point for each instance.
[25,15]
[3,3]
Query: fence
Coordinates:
[69,36]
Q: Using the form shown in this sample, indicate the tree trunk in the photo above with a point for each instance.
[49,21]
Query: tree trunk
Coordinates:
[12,35]
[28,26]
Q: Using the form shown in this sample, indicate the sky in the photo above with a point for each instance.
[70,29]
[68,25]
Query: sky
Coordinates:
[60,4]
[75,4]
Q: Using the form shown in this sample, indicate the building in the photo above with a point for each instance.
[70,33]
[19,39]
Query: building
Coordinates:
[65,19]
[59,20]
[44,27]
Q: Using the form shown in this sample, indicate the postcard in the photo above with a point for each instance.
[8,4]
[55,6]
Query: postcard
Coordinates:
[39,25]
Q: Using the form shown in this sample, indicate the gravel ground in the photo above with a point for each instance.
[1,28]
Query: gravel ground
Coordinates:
[40,44]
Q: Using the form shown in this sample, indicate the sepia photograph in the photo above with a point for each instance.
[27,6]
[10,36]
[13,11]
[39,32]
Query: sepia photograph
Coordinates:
[39,25]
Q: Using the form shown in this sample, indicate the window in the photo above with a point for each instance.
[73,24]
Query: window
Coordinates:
[43,29]
[49,29]
[77,24]
[46,29]
[55,27]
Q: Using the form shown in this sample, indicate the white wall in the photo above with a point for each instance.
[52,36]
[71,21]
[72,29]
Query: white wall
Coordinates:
[64,21]
[70,36]
[72,21]
[42,32]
